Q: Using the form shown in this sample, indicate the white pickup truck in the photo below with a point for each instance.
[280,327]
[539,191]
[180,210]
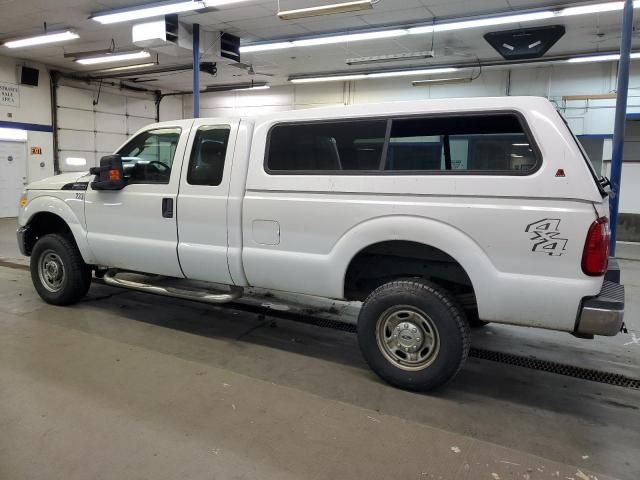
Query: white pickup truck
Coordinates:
[435,214]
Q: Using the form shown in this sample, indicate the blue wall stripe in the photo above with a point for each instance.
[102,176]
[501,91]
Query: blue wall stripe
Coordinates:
[33,127]
[596,135]
[633,116]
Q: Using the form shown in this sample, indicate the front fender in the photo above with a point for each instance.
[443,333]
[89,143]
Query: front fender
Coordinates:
[68,208]
[442,236]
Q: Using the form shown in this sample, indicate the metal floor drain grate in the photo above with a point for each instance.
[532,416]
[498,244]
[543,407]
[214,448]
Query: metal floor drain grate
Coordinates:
[557,368]
[506,358]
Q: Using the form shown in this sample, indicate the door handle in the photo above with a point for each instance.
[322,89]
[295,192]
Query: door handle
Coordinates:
[167,207]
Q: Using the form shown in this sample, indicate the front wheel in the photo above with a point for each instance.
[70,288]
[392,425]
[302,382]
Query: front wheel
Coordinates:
[58,272]
[413,334]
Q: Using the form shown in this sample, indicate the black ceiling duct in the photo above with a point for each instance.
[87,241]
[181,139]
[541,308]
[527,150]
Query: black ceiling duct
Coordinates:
[525,43]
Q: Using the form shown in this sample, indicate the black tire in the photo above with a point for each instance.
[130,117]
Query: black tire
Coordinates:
[60,254]
[434,313]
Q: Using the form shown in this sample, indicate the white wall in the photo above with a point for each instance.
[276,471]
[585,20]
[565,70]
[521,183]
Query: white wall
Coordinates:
[34,108]
[264,101]
[171,109]
[586,117]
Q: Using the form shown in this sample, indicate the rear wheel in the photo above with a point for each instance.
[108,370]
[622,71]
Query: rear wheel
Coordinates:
[413,334]
[58,272]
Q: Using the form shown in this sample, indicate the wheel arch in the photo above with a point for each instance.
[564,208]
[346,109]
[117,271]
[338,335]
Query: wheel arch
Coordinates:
[49,214]
[436,236]
[393,259]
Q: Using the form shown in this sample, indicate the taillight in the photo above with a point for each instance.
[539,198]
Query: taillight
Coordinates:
[595,258]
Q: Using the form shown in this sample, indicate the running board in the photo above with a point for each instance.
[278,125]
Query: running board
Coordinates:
[203,296]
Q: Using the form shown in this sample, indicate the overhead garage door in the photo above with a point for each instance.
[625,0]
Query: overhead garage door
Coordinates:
[87,131]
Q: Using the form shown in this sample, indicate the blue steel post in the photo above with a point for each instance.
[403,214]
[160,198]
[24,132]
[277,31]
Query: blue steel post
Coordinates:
[196,70]
[621,118]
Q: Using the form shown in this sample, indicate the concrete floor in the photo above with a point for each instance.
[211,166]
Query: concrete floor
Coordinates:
[126,385]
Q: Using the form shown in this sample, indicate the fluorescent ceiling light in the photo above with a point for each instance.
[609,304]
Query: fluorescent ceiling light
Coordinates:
[342,7]
[394,57]
[310,42]
[157,10]
[265,46]
[484,22]
[220,3]
[600,58]
[349,37]
[336,78]
[236,87]
[407,73]
[597,8]
[421,30]
[128,67]
[244,89]
[440,81]
[13,134]
[113,57]
[363,76]
[76,161]
[42,39]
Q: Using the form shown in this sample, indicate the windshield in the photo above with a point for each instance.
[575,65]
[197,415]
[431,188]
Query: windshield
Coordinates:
[596,176]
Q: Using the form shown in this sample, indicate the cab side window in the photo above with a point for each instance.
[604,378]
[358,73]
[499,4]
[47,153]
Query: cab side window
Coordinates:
[148,157]
[206,166]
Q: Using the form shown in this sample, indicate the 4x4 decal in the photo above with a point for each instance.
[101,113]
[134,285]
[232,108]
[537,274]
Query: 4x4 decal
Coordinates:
[546,237]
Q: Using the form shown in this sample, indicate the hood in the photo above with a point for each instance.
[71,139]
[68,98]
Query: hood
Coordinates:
[58,181]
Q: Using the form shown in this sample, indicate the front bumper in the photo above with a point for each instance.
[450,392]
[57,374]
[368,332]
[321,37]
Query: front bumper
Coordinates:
[604,314]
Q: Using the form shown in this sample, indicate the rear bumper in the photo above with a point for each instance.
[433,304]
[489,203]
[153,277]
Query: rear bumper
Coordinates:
[604,314]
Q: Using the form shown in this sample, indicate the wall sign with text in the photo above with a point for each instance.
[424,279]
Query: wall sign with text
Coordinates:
[9,94]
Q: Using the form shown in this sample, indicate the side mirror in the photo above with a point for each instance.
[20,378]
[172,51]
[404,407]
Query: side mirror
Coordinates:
[109,175]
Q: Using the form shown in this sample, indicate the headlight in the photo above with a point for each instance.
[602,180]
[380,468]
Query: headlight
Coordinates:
[23,199]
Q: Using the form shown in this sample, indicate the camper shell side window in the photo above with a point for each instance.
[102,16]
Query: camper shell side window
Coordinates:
[493,143]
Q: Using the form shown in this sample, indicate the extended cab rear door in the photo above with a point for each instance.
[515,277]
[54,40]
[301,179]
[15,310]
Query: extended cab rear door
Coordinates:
[202,201]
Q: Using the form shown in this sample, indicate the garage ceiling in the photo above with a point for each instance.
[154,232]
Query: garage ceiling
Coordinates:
[256,21]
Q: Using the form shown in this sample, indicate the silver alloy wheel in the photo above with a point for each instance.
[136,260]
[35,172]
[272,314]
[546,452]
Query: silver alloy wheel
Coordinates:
[408,338]
[51,271]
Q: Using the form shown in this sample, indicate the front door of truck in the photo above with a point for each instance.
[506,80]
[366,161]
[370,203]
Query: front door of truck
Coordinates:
[135,228]
[202,203]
